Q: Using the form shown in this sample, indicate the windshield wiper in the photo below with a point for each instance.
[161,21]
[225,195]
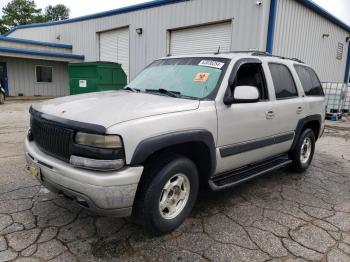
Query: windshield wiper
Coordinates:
[131,89]
[165,92]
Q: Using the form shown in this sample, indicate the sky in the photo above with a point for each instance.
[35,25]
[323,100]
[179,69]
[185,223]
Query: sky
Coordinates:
[339,8]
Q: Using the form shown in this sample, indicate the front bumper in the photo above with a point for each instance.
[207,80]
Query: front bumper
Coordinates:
[108,193]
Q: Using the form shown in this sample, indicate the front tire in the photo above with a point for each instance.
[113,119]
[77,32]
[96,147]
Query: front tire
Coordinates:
[303,152]
[167,194]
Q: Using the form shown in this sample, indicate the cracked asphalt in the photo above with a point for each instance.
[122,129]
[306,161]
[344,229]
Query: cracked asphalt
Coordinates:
[282,216]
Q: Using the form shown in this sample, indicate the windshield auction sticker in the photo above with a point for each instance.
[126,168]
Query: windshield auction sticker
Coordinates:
[201,77]
[211,63]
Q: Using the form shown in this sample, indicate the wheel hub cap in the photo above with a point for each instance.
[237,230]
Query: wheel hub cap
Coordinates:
[174,196]
[306,148]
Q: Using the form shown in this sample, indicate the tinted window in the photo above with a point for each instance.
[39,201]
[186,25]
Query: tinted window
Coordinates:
[43,74]
[309,81]
[283,81]
[252,75]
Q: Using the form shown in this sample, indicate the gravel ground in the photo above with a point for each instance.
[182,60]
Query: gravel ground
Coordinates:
[283,216]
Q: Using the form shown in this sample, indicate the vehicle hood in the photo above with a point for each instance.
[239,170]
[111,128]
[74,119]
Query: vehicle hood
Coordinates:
[113,107]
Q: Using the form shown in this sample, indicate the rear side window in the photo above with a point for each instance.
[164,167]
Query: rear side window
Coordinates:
[309,80]
[283,81]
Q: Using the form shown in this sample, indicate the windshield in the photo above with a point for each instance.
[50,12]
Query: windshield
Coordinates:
[186,77]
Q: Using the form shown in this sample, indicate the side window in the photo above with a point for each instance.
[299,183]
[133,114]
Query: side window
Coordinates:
[283,81]
[252,75]
[309,80]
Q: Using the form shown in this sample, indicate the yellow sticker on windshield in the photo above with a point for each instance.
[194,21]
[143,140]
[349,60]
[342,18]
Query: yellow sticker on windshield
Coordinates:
[201,77]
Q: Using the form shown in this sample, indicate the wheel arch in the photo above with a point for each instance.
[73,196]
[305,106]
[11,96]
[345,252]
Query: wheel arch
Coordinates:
[314,122]
[198,145]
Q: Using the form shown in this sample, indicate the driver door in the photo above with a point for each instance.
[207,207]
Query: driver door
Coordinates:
[246,130]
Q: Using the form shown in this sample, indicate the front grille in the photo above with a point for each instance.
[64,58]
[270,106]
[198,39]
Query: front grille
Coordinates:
[52,139]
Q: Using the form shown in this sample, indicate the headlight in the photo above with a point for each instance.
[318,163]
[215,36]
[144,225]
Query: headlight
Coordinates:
[96,164]
[102,141]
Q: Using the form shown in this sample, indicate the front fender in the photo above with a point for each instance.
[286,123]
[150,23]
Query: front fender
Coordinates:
[151,145]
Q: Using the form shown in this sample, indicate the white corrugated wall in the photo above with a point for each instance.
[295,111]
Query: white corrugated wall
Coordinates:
[22,78]
[298,33]
[249,28]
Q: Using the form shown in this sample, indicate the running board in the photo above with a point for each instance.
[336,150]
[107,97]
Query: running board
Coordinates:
[247,173]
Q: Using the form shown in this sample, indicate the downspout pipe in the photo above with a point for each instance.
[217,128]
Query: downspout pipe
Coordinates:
[347,67]
[271,26]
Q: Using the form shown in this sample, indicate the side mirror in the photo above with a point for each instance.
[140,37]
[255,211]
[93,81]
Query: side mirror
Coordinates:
[243,94]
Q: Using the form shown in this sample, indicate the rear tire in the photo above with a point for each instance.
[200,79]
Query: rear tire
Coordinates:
[303,152]
[167,193]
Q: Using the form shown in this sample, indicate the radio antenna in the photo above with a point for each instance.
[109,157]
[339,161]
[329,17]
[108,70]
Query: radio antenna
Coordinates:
[218,52]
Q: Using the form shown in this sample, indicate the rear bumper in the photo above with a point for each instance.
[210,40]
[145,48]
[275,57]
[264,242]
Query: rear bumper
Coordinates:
[108,193]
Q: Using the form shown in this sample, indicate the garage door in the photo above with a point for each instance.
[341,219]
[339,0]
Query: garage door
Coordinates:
[201,39]
[114,47]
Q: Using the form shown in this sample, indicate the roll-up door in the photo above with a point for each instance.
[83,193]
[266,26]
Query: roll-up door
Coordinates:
[201,39]
[114,47]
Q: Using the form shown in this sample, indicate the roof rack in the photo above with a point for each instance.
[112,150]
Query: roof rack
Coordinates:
[234,52]
[254,53]
[262,53]
[297,60]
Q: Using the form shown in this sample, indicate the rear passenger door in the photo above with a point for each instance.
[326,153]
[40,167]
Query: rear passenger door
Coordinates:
[314,95]
[289,105]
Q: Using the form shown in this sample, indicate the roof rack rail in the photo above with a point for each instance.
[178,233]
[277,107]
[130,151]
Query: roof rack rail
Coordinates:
[234,52]
[297,60]
[261,53]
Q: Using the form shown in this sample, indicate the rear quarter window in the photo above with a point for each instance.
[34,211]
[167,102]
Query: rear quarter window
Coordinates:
[309,81]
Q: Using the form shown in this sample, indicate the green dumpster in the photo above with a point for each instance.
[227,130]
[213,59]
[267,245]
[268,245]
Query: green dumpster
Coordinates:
[95,77]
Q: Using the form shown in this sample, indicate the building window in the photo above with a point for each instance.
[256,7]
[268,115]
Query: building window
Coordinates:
[340,51]
[43,74]
[283,81]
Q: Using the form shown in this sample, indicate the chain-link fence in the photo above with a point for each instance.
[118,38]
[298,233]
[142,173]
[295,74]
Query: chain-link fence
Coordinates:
[337,96]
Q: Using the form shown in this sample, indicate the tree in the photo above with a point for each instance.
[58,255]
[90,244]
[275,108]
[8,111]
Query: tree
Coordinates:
[3,28]
[57,12]
[20,12]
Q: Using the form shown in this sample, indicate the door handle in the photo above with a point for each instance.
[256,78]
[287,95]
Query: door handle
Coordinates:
[270,114]
[299,109]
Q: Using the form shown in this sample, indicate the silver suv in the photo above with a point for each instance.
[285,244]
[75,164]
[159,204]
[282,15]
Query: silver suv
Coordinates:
[202,121]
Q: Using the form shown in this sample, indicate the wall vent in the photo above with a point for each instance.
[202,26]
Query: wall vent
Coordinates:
[340,51]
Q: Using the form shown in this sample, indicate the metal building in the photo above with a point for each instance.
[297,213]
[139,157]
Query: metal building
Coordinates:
[31,68]
[134,36]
